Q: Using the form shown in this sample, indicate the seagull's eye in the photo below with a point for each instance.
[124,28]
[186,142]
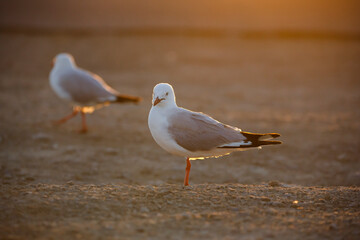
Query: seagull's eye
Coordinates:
[167,93]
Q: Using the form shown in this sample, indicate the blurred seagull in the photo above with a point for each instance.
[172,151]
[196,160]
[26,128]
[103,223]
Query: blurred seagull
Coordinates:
[85,90]
[195,135]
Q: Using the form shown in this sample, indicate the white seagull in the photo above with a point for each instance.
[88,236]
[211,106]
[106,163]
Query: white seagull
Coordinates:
[86,91]
[195,135]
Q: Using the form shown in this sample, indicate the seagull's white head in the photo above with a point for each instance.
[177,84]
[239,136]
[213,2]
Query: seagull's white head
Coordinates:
[64,60]
[163,95]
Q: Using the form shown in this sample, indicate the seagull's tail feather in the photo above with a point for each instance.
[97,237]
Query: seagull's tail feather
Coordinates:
[269,142]
[254,137]
[253,140]
[127,98]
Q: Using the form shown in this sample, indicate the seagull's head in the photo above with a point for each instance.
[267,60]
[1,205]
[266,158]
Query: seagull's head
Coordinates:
[163,95]
[63,60]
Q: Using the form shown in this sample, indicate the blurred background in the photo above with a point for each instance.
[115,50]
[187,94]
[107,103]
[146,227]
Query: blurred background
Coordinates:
[319,16]
[265,66]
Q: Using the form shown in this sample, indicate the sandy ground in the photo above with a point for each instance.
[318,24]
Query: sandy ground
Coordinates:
[116,183]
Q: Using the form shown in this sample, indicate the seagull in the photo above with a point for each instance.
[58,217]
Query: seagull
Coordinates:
[86,91]
[195,135]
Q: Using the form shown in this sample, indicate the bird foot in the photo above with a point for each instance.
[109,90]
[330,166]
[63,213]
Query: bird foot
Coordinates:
[187,187]
[57,122]
[83,130]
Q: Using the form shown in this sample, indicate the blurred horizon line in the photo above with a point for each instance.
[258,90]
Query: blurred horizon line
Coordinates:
[185,32]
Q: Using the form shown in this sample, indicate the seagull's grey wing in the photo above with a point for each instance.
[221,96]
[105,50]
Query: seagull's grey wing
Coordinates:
[85,87]
[199,132]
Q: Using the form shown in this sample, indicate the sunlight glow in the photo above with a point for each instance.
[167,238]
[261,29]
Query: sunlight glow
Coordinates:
[90,109]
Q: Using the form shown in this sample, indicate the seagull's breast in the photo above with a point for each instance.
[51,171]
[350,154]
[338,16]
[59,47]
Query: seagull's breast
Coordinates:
[55,83]
[158,125]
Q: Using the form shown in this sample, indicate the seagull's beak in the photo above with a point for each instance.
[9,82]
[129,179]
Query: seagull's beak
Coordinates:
[157,100]
[53,62]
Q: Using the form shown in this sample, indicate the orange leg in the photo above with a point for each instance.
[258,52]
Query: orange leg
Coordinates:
[63,120]
[84,128]
[187,172]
